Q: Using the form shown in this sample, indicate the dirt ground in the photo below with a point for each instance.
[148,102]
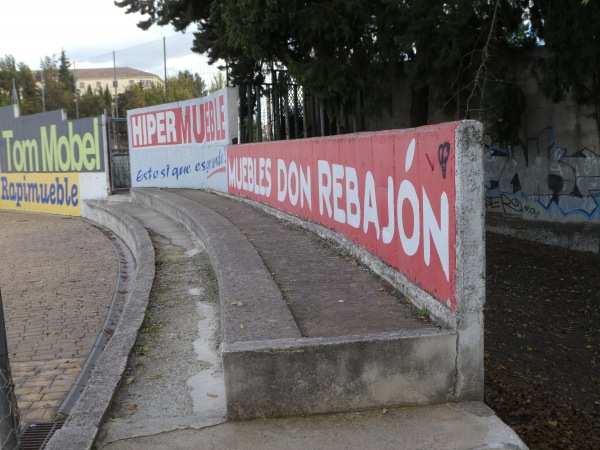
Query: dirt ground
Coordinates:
[542,342]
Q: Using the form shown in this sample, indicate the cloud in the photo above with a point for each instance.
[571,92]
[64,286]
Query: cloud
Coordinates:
[89,32]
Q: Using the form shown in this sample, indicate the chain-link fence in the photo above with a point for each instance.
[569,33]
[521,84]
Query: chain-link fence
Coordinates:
[9,413]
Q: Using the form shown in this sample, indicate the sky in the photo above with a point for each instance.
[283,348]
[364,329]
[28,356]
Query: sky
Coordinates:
[90,31]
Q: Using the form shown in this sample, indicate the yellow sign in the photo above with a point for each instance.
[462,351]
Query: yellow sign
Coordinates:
[53,193]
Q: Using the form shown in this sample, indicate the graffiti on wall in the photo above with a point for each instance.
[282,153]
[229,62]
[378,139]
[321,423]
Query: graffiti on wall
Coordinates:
[540,177]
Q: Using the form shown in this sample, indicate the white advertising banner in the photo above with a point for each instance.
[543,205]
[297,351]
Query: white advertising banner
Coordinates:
[183,144]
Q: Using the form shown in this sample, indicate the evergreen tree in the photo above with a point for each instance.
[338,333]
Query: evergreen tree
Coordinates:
[338,48]
[65,74]
[108,98]
[571,34]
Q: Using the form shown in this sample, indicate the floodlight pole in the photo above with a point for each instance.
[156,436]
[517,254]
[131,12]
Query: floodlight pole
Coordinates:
[165,66]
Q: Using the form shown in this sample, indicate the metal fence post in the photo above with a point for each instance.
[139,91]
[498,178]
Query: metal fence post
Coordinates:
[9,416]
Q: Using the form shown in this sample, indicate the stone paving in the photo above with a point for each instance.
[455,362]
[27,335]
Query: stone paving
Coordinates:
[57,278]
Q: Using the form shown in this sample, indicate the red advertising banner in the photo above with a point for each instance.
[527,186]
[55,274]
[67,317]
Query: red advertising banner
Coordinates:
[391,192]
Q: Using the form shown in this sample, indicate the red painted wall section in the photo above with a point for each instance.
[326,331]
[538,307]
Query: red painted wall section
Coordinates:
[391,192]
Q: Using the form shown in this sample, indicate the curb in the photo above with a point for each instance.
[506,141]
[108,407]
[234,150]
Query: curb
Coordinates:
[81,428]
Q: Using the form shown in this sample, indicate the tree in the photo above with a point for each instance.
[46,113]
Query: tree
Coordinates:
[8,73]
[185,86]
[30,95]
[27,91]
[571,34]
[217,82]
[108,98]
[139,96]
[336,49]
[55,94]
[91,104]
[65,75]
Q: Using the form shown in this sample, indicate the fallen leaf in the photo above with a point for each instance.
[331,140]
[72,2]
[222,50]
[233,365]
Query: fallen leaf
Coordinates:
[54,333]
[552,423]
[242,326]
[130,380]
[341,301]
[211,395]
[384,411]
[145,348]
[132,407]
[238,303]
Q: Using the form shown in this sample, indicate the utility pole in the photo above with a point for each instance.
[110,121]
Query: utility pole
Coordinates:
[43,92]
[76,92]
[165,66]
[15,96]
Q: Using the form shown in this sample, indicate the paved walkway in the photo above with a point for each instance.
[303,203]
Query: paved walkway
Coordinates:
[57,278]
[57,288]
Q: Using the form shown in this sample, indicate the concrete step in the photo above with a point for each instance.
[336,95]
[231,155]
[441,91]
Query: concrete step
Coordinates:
[327,342]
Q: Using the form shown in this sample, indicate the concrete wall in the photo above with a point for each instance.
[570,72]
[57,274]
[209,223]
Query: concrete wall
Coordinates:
[408,203]
[552,174]
[573,126]
[542,180]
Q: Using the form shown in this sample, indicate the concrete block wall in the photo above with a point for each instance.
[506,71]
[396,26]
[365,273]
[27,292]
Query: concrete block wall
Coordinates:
[542,180]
